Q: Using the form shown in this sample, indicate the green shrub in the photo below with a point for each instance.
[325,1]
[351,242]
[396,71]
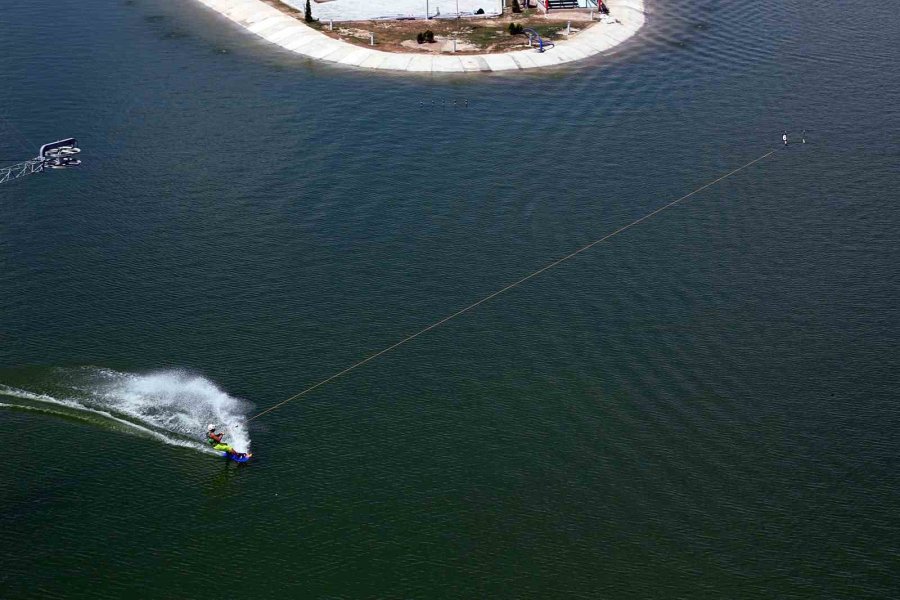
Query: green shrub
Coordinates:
[307,14]
[515,29]
[516,8]
[429,36]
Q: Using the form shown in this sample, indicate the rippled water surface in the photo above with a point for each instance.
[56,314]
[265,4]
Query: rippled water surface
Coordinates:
[701,407]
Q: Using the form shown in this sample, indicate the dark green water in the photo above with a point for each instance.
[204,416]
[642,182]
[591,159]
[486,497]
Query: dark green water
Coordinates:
[703,407]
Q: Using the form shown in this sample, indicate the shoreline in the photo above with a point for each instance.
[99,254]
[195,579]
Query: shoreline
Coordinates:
[277,27]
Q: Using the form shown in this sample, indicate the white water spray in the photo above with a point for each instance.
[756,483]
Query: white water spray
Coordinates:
[174,406]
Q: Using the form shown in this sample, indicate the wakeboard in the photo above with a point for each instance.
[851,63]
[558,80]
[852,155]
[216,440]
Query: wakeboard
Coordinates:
[237,459]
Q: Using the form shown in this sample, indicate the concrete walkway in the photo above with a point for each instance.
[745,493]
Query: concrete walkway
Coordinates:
[290,33]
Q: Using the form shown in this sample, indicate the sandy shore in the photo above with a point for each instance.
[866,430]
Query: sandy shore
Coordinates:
[292,34]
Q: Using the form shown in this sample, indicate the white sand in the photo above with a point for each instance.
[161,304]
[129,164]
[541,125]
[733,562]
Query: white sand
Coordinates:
[358,10]
[292,34]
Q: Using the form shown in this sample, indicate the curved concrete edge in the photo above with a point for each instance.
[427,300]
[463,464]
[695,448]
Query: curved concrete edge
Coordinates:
[279,28]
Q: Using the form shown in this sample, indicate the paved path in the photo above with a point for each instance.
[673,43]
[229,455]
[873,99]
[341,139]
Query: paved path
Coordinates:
[277,27]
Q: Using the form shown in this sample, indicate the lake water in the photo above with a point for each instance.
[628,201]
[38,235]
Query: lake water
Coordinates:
[702,407]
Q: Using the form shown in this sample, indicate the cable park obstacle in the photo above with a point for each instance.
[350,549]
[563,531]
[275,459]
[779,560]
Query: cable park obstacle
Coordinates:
[61,154]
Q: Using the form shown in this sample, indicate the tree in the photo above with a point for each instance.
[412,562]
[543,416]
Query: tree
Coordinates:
[307,14]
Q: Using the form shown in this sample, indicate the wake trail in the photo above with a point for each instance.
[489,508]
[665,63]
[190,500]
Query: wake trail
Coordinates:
[76,408]
[170,406]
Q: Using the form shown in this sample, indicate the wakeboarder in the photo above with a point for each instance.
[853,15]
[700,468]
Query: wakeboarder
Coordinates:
[215,440]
